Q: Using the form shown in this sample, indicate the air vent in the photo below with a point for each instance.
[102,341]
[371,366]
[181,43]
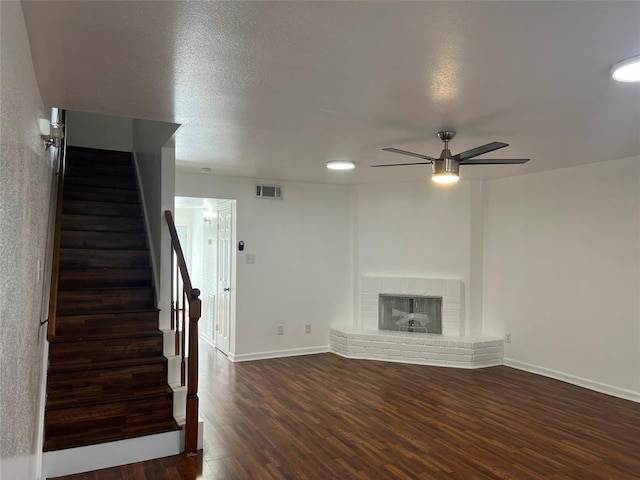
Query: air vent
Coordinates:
[268,191]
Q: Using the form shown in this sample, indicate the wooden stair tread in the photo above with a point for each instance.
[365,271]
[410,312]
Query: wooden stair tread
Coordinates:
[102,180]
[89,278]
[103,314]
[121,251]
[102,208]
[110,194]
[107,369]
[107,397]
[77,440]
[103,365]
[111,219]
[104,336]
[80,239]
[98,153]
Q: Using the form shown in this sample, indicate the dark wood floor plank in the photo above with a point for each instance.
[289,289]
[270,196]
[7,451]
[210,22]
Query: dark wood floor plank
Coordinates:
[326,417]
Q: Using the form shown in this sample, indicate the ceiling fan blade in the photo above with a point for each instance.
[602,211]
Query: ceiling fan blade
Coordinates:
[497,161]
[402,164]
[474,152]
[411,154]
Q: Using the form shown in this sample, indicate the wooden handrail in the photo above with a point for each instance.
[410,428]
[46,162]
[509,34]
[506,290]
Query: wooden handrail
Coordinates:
[57,233]
[195,307]
[182,265]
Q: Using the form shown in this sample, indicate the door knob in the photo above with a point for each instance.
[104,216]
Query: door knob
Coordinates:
[226,289]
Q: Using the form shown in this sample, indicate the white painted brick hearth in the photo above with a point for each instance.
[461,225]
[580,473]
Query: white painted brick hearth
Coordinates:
[449,290]
[418,348]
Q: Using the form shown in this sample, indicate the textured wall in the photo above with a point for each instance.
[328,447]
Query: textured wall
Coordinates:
[25,183]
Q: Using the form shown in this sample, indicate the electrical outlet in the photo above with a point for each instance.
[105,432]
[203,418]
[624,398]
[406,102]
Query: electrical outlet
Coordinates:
[250,258]
[280,329]
[307,328]
[507,338]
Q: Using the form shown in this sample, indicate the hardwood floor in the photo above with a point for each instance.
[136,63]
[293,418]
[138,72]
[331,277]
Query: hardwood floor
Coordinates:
[325,417]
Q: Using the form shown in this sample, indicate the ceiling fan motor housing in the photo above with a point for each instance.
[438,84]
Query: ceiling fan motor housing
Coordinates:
[445,165]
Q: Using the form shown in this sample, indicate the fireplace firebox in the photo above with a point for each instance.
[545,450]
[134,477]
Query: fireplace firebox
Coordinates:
[410,313]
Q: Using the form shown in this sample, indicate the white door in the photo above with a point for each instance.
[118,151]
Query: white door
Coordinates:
[223,304]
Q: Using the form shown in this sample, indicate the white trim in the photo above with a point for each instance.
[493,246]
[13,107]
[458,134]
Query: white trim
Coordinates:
[42,401]
[154,269]
[104,455]
[574,380]
[426,363]
[292,352]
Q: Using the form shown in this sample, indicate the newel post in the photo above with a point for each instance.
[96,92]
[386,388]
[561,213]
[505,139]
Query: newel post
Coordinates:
[191,427]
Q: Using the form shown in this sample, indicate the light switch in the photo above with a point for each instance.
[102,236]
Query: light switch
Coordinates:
[250,258]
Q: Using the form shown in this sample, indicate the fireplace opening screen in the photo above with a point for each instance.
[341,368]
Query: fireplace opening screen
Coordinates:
[414,314]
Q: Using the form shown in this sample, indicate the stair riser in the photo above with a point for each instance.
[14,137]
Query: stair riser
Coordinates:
[97,194]
[78,258]
[107,376]
[116,324]
[105,300]
[100,278]
[93,156]
[98,223]
[74,353]
[101,208]
[77,168]
[108,419]
[101,181]
[103,240]
[72,388]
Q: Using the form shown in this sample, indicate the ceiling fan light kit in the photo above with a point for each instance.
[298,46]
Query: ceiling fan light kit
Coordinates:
[627,70]
[446,168]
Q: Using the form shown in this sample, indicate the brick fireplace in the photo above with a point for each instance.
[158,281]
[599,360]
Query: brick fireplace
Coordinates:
[365,340]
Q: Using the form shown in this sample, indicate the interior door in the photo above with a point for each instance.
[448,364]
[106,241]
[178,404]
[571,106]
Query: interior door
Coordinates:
[223,304]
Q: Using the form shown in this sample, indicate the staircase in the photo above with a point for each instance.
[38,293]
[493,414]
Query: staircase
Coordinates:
[107,375]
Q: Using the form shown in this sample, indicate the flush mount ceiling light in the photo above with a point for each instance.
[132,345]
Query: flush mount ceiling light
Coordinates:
[341,165]
[627,70]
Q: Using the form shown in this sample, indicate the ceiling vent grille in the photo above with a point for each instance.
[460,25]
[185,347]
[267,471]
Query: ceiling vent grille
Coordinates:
[269,191]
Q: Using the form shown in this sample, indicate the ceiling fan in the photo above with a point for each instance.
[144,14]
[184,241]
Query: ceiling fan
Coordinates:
[446,167]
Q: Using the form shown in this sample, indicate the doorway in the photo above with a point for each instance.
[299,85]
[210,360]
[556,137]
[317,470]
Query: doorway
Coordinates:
[207,230]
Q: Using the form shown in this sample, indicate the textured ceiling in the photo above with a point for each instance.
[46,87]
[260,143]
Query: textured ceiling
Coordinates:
[275,89]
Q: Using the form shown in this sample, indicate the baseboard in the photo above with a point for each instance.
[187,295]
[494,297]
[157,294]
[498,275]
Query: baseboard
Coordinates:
[42,401]
[574,380]
[292,352]
[424,364]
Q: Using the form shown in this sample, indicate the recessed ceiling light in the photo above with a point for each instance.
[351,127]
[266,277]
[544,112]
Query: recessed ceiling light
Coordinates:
[627,70]
[205,170]
[340,165]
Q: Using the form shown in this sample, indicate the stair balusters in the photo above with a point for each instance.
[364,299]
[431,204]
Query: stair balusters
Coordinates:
[189,300]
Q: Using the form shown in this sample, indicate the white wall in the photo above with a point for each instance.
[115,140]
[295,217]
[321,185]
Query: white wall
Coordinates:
[25,188]
[105,132]
[155,164]
[561,272]
[302,271]
[414,230]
